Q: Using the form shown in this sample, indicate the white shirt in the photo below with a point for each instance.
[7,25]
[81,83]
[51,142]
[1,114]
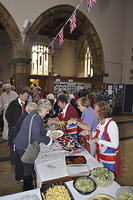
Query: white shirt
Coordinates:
[113,132]
[65,109]
[7,98]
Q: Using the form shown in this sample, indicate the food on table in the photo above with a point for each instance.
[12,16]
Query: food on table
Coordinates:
[84,185]
[101,197]
[126,196]
[57,192]
[102,175]
[56,133]
[70,145]
[75,160]
[62,123]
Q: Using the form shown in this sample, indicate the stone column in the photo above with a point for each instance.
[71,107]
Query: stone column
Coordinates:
[20,72]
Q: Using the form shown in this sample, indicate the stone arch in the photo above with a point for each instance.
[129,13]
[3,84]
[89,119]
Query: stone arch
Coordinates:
[12,29]
[90,34]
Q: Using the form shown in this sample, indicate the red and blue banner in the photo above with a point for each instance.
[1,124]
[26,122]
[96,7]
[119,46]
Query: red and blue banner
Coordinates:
[72,22]
[61,37]
[91,3]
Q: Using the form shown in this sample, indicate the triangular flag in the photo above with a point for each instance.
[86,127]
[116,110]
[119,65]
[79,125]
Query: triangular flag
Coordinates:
[61,37]
[72,22]
[91,3]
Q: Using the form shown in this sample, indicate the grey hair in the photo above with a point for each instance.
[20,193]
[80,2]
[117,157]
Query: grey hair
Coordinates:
[8,85]
[43,104]
[31,106]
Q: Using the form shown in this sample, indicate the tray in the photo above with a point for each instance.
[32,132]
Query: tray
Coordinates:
[75,160]
[44,189]
[78,182]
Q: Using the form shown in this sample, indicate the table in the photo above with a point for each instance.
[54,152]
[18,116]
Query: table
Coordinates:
[22,194]
[51,168]
[110,190]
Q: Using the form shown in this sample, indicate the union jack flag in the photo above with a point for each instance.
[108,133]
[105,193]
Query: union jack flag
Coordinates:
[72,22]
[61,37]
[91,3]
[52,48]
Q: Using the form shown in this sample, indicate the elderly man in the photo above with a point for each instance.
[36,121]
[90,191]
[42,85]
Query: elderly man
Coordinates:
[6,97]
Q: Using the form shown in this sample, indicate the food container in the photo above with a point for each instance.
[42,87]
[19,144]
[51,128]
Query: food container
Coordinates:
[84,185]
[101,196]
[56,191]
[125,193]
[70,160]
[102,176]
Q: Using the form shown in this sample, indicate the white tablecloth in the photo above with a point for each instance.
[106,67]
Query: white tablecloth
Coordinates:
[19,195]
[58,169]
[110,190]
[48,168]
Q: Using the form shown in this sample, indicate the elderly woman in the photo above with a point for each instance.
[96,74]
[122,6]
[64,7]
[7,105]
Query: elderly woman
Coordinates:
[31,106]
[107,138]
[67,111]
[38,133]
[89,118]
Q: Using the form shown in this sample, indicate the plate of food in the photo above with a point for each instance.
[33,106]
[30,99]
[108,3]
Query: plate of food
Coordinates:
[101,197]
[56,191]
[54,126]
[102,176]
[125,193]
[70,160]
[84,185]
[57,133]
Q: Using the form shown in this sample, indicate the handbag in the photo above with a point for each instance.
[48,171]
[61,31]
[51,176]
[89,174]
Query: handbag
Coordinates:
[32,150]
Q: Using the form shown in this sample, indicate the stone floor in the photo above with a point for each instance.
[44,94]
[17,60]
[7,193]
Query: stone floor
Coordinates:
[8,185]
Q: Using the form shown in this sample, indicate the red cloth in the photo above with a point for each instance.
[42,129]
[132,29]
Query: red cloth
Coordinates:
[70,113]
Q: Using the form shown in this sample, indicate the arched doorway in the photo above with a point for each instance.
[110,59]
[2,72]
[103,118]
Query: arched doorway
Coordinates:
[50,22]
[11,43]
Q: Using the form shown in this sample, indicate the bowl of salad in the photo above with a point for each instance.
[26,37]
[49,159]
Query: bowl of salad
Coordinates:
[125,193]
[102,176]
[84,185]
[101,197]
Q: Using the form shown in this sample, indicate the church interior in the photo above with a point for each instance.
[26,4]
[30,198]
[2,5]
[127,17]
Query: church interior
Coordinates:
[96,53]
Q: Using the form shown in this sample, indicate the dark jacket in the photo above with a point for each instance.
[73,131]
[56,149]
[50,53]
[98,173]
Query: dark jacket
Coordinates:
[13,112]
[38,132]
[17,127]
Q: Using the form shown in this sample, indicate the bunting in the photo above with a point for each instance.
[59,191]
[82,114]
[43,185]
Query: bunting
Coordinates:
[72,22]
[61,37]
[91,3]
[73,25]
[52,48]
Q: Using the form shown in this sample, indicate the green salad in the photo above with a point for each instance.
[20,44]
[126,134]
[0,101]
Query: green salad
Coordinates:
[126,196]
[101,197]
[103,174]
[56,133]
[84,185]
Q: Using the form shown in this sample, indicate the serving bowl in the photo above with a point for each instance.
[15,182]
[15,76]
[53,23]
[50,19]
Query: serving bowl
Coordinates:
[101,197]
[125,193]
[84,185]
[102,176]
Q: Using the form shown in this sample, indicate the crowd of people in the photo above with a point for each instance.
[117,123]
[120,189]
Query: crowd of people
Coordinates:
[86,111]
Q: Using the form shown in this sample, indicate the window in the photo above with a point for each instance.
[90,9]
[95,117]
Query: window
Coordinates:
[88,70]
[39,60]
